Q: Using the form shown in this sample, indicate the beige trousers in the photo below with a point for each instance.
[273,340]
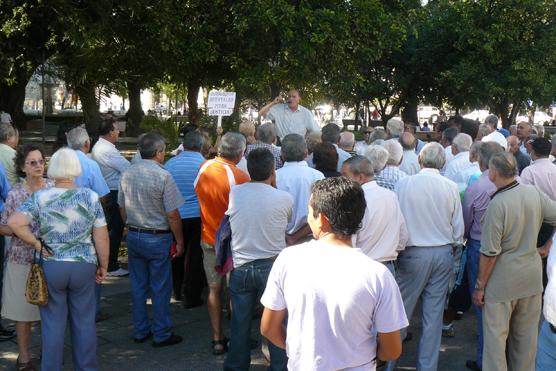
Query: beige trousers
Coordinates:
[510,334]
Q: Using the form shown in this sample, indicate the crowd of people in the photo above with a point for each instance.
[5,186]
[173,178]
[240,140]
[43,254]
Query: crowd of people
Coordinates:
[335,240]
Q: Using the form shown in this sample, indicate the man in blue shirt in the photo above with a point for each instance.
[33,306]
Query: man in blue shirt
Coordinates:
[4,189]
[188,272]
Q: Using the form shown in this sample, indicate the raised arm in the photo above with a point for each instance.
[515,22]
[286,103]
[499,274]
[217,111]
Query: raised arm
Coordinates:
[263,111]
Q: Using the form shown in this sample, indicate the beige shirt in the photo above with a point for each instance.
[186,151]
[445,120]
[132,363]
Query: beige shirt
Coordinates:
[510,228]
[7,156]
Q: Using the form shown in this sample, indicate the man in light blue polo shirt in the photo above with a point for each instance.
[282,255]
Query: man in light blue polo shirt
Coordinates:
[188,272]
[91,178]
[290,117]
[5,334]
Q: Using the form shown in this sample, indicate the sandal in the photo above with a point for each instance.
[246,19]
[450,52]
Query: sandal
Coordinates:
[220,347]
[27,366]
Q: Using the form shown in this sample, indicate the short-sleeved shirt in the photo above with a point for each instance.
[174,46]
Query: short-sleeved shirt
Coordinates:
[271,147]
[213,184]
[148,193]
[20,252]
[7,156]
[91,176]
[4,187]
[184,168]
[337,299]
[66,218]
[287,121]
[112,164]
[389,177]
[509,231]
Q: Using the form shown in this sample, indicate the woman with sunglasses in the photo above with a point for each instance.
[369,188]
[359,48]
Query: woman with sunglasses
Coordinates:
[29,164]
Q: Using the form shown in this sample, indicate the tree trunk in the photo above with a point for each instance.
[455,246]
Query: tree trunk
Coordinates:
[135,112]
[12,98]
[409,111]
[89,105]
[193,87]
[274,89]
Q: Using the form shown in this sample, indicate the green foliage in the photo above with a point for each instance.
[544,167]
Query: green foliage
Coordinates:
[167,128]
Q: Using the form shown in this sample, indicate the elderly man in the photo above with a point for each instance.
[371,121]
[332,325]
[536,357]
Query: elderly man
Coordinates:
[347,142]
[410,161]
[460,149]
[446,140]
[296,178]
[411,128]
[509,283]
[149,202]
[212,186]
[361,145]
[112,165]
[494,135]
[391,174]
[523,160]
[377,156]
[9,138]
[425,267]
[259,214]
[290,117]
[331,134]
[383,233]
[266,138]
[471,173]
[394,128]
[524,129]
[475,202]
[188,272]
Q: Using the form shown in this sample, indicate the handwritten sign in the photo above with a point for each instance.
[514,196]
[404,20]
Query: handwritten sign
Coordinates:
[221,103]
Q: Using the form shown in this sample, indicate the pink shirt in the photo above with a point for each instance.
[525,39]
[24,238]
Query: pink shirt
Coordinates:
[541,173]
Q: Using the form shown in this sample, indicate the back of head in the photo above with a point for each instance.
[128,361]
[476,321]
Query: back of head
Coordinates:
[486,151]
[64,164]
[342,202]
[462,142]
[450,134]
[330,133]
[313,138]
[408,142]
[232,146]
[378,156]
[247,128]
[77,138]
[347,141]
[541,146]
[193,141]
[105,127]
[266,133]
[6,132]
[325,157]
[395,151]
[475,148]
[360,165]
[484,130]
[540,130]
[378,134]
[395,127]
[492,121]
[150,144]
[260,164]
[294,148]
[432,156]
[504,164]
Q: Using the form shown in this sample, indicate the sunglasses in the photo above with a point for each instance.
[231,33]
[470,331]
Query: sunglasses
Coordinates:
[35,163]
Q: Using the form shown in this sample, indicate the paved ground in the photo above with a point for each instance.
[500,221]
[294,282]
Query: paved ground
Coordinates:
[117,351]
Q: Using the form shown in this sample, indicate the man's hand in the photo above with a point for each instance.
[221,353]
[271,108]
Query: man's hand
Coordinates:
[278,100]
[179,249]
[545,249]
[479,297]
[101,275]
[219,130]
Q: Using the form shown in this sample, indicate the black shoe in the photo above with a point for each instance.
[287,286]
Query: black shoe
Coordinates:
[172,340]
[144,338]
[220,347]
[472,365]
[6,334]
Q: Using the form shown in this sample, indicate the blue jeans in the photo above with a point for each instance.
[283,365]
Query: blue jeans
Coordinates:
[149,267]
[473,257]
[546,349]
[247,284]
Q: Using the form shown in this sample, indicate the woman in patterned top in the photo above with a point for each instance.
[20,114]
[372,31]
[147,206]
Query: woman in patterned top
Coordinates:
[69,219]
[29,164]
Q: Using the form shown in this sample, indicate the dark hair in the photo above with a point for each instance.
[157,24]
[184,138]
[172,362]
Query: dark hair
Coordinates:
[294,148]
[450,134]
[105,126]
[342,202]
[330,133]
[260,163]
[325,157]
[149,144]
[193,141]
[21,156]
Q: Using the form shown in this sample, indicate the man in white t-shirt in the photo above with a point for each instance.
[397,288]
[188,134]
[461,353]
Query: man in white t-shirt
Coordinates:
[338,300]
[259,214]
[491,122]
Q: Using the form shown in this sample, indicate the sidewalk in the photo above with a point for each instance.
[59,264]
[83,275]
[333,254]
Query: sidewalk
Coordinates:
[117,351]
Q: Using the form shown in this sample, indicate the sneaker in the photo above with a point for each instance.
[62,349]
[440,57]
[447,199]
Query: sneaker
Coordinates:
[120,272]
[172,340]
[6,334]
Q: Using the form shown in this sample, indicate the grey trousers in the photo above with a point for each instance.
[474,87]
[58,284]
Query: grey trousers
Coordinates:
[424,273]
[71,295]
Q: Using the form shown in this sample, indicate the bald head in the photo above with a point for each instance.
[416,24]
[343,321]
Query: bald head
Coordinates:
[513,143]
[407,140]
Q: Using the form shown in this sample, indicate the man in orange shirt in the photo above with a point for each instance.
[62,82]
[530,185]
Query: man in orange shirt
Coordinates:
[214,181]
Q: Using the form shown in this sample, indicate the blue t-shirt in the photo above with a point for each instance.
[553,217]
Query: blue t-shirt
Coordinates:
[184,169]
[66,218]
[4,187]
[91,176]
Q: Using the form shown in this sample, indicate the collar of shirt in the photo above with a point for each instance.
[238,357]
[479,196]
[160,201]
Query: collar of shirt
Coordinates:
[429,170]
[150,162]
[224,160]
[543,160]
[106,143]
[505,188]
[287,108]
[369,185]
[295,163]
[462,154]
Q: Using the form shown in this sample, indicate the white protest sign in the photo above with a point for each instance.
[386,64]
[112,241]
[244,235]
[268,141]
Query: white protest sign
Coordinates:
[221,103]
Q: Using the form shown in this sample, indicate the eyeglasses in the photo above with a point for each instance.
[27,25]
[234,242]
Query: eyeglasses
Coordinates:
[35,163]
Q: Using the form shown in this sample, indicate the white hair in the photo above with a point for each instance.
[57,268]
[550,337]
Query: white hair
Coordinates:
[432,156]
[64,164]
[378,156]
[462,142]
[395,151]
[77,137]
[347,140]
[395,127]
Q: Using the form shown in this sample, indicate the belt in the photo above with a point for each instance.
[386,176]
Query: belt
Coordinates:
[148,230]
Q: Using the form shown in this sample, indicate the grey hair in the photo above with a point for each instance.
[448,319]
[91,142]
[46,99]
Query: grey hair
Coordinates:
[395,127]
[475,148]
[377,134]
[330,133]
[294,148]
[487,150]
[408,141]
[347,139]
[232,145]
[193,141]
[64,164]
[395,151]
[378,156]
[504,163]
[492,121]
[540,130]
[149,144]
[266,133]
[360,165]
[77,138]
[485,130]
[432,156]
[462,142]
[6,132]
